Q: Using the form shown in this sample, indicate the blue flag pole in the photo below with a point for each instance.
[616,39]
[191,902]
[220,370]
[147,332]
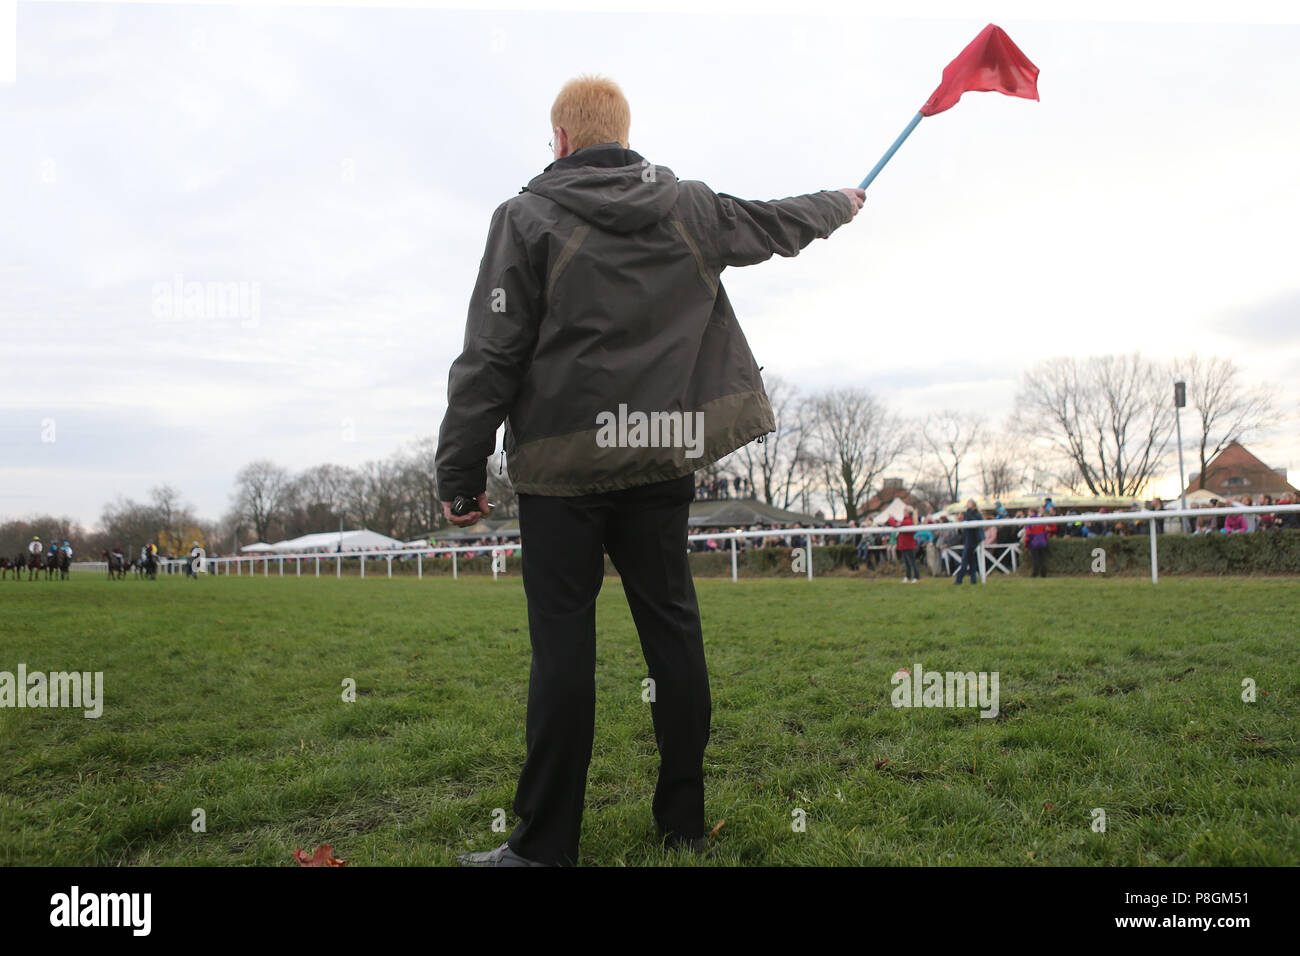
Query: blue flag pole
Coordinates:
[892,150]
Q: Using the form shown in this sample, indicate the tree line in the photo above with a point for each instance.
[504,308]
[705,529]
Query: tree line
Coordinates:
[1101,425]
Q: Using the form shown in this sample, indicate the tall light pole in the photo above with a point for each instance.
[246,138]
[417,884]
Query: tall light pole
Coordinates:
[1180,400]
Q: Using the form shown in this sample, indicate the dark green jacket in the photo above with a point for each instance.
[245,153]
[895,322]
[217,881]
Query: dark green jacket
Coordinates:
[598,297]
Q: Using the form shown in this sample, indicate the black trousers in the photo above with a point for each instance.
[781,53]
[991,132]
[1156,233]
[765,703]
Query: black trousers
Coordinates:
[564,539]
[969,561]
[1040,562]
[909,564]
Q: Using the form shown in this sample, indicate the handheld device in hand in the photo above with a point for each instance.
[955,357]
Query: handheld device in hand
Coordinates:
[463,505]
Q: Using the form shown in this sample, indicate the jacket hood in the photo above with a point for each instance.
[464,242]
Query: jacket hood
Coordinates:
[608,186]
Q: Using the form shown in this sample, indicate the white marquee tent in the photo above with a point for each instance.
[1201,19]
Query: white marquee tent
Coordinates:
[895,509]
[331,541]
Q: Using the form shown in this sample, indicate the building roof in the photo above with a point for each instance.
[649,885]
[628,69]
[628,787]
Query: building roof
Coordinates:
[1235,472]
[740,512]
[886,496]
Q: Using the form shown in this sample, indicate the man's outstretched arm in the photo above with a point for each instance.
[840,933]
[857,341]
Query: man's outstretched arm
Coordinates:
[750,231]
[500,335]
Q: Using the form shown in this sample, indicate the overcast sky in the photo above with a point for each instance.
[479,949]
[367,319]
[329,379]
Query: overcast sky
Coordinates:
[343,164]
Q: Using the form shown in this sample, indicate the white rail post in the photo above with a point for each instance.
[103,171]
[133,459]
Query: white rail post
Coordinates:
[1155,573]
[979,549]
[338,566]
[390,565]
[266,567]
[363,567]
[318,565]
[454,573]
[810,556]
[733,559]
[419,567]
[298,564]
[280,564]
[495,552]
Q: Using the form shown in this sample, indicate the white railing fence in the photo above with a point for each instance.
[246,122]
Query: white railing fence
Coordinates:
[501,551]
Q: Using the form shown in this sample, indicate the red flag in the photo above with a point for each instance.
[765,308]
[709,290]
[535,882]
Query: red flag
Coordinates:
[990,62]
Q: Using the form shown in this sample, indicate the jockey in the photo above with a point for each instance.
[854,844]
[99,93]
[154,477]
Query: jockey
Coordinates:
[36,547]
[67,548]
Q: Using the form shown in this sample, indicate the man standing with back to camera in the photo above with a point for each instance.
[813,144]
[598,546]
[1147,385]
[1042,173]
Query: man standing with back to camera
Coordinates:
[600,333]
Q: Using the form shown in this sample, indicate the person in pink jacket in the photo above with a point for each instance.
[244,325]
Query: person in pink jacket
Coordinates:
[1235,523]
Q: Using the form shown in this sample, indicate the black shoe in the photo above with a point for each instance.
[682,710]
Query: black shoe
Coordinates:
[675,841]
[501,856]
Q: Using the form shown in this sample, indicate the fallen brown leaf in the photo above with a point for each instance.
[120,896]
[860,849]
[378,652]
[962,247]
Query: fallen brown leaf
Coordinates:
[324,856]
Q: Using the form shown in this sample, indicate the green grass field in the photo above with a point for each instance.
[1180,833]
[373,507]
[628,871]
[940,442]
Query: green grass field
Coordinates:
[226,695]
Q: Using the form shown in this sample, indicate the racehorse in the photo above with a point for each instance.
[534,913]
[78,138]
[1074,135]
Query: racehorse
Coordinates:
[151,566]
[116,564]
[34,563]
[5,565]
[65,564]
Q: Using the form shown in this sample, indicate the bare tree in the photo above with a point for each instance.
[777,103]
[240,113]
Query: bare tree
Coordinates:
[323,487]
[1226,408]
[167,506]
[374,495]
[769,464]
[259,493]
[314,500]
[857,438]
[177,524]
[1001,465]
[798,476]
[803,483]
[420,507]
[948,437]
[931,489]
[1109,416]
[129,523]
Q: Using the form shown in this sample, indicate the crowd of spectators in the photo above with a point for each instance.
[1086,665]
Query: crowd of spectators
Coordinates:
[941,549]
[723,487]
